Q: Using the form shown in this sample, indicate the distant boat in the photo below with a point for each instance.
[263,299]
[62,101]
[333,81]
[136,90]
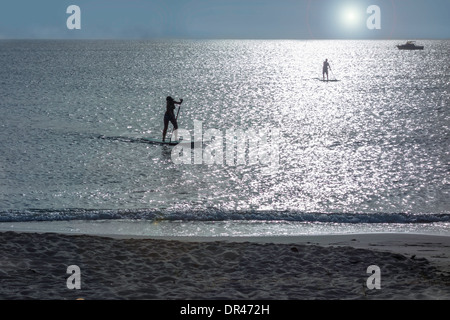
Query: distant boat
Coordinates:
[410,45]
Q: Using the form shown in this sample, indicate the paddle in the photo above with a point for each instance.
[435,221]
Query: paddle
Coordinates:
[333,73]
[176,119]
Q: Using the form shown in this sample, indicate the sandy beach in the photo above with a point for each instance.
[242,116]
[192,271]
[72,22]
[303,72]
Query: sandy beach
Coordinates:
[412,267]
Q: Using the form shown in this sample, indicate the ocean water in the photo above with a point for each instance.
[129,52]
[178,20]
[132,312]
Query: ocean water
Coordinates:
[368,153]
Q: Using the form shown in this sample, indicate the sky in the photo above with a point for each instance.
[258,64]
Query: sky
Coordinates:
[229,19]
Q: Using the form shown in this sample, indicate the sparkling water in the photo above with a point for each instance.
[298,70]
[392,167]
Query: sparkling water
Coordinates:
[370,150]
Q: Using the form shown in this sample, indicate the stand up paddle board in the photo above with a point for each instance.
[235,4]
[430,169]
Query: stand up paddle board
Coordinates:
[335,80]
[159,141]
[184,143]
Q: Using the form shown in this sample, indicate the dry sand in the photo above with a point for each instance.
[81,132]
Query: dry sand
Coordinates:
[34,266]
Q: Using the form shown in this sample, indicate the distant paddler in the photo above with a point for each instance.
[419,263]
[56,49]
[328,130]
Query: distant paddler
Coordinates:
[326,66]
[170,116]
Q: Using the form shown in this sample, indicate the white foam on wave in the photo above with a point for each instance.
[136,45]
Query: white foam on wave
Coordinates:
[235,229]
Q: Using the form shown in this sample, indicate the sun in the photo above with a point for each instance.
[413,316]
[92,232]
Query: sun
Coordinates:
[350,16]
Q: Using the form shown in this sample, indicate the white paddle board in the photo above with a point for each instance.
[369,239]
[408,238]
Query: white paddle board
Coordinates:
[159,141]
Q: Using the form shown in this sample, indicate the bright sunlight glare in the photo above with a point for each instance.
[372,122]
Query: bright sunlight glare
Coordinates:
[351,16]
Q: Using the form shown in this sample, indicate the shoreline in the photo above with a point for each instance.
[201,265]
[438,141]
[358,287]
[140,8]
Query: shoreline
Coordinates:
[413,267]
[433,247]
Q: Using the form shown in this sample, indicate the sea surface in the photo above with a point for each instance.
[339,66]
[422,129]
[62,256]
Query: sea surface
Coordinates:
[369,153]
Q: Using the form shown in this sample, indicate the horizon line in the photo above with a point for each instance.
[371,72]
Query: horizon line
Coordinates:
[225,38]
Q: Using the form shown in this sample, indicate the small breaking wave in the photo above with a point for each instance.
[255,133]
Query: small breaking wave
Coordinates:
[217,215]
